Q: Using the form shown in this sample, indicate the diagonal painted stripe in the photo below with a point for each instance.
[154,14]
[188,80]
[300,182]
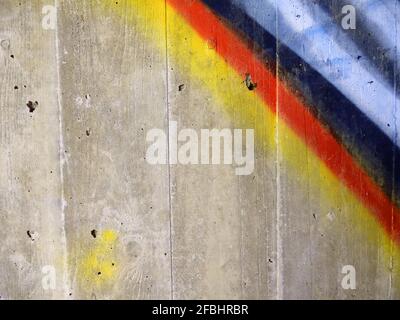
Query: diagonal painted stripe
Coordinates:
[189,53]
[291,110]
[361,137]
[306,29]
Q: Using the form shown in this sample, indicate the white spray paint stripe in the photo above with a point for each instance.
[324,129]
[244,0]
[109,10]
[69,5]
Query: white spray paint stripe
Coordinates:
[310,34]
[66,282]
[383,14]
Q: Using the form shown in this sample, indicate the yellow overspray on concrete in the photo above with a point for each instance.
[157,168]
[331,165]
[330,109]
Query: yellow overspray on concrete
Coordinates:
[99,265]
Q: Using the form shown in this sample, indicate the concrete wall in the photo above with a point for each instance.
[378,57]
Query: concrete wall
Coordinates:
[83,213]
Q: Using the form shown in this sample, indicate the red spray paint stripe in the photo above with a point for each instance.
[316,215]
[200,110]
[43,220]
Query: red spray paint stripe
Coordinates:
[230,47]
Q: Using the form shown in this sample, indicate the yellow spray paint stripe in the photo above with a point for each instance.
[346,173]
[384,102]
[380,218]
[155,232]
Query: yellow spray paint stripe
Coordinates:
[197,58]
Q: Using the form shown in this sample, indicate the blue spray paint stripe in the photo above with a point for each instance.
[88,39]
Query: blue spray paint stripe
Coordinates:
[374,36]
[309,32]
[377,154]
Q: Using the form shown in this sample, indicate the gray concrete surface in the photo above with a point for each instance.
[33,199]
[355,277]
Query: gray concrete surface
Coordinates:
[77,194]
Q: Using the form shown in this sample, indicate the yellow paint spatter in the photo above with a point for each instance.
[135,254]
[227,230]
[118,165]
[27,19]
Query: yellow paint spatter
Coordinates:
[99,265]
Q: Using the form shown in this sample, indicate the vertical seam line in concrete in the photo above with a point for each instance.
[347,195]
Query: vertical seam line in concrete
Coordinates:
[278,181]
[61,153]
[391,263]
[168,154]
[309,218]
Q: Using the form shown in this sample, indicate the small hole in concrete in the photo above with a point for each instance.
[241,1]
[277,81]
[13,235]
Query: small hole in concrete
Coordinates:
[32,106]
[249,83]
